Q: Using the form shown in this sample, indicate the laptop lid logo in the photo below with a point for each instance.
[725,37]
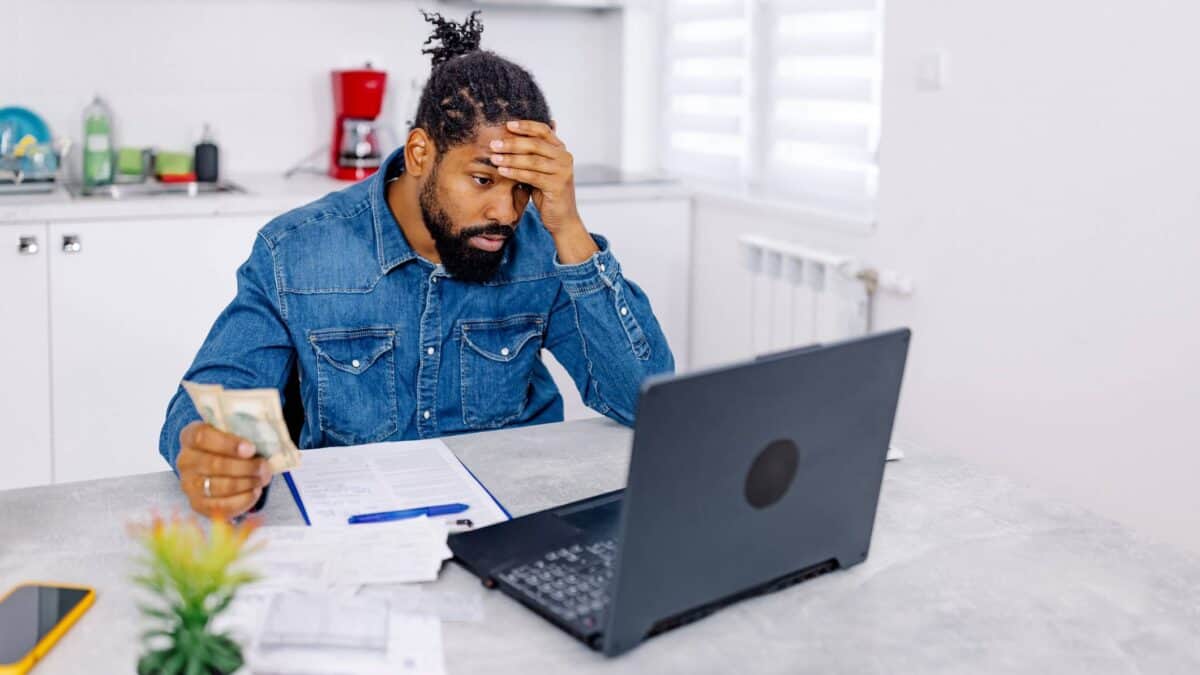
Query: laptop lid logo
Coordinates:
[772,473]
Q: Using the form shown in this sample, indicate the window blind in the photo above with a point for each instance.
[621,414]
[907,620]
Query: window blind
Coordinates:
[782,96]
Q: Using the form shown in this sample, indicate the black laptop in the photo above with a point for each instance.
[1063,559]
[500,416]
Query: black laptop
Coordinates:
[744,479]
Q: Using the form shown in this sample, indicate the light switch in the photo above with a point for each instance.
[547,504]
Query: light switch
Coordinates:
[932,70]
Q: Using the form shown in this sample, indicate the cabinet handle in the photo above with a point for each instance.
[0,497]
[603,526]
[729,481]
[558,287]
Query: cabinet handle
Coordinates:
[72,243]
[28,246]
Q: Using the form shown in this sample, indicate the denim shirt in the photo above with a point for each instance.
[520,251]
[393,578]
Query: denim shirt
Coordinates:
[389,347]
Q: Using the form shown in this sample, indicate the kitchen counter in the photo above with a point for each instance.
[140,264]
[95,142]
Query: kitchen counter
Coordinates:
[265,194]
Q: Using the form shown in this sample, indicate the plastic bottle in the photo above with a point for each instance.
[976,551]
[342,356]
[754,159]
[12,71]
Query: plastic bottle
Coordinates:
[206,160]
[97,144]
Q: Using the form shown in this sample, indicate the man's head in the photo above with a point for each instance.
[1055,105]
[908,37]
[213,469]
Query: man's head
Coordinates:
[468,207]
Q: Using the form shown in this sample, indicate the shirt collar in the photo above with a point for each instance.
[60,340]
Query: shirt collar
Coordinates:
[391,247]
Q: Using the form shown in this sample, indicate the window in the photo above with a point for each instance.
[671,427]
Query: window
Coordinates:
[777,98]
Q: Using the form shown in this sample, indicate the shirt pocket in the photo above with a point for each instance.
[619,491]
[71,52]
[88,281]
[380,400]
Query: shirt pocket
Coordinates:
[497,358]
[356,383]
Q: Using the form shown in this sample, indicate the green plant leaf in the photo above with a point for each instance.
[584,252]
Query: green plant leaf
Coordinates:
[174,663]
[156,613]
[227,654]
[151,663]
[196,666]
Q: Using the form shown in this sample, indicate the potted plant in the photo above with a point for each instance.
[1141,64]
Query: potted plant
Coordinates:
[192,578]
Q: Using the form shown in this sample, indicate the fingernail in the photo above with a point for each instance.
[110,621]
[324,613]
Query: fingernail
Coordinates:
[246,449]
[514,125]
[496,145]
[504,170]
[497,159]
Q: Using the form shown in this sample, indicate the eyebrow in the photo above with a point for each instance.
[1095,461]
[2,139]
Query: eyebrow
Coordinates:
[487,161]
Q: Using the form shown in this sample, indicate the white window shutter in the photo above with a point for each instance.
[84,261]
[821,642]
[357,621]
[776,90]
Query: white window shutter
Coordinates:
[780,95]
[706,86]
[823,121]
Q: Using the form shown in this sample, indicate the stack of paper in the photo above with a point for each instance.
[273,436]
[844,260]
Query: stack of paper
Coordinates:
[308,558]
[317,633]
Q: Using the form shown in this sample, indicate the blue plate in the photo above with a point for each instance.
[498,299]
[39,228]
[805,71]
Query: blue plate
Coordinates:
[26,123]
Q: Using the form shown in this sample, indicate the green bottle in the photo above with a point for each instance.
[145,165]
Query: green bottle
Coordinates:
[97,144]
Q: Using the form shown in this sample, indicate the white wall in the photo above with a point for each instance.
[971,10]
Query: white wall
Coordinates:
[1047,205]
[258,70]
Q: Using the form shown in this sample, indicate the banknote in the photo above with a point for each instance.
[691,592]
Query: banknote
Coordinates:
[207,399]
[253,414]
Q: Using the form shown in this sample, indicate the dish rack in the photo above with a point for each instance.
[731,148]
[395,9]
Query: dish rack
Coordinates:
[39,171]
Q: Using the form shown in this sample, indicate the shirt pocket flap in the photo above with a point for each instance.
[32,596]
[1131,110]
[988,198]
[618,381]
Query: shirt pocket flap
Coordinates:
[353,351]
[502,340]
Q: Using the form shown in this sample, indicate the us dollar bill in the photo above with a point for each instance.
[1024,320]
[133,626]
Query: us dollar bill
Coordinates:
[253,414]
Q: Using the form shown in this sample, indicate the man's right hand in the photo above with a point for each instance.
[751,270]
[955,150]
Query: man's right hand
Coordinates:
[235,478]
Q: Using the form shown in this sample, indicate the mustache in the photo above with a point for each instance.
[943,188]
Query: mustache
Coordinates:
[491,228]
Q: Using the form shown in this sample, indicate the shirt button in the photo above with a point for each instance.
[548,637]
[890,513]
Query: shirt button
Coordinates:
[354,363]
[504,351]
[601,267]
[429,351]
[433,280]
[624,311]
[426,415]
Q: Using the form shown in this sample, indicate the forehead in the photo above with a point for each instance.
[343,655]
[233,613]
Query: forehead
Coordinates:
[480,146]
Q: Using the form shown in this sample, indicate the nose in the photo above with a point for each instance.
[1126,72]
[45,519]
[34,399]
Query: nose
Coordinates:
[502,209]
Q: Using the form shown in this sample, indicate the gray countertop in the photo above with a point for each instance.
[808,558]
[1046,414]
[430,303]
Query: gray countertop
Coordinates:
[968,572]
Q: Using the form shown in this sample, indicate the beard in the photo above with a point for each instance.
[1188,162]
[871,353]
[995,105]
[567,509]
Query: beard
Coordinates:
[461,260]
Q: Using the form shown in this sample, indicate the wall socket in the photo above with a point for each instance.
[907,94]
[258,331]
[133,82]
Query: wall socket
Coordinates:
[933,70]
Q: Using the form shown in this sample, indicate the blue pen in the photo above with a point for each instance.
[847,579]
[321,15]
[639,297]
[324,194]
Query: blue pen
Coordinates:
[385,516]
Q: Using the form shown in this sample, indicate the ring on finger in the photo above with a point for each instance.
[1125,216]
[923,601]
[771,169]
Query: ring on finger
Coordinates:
[208,487]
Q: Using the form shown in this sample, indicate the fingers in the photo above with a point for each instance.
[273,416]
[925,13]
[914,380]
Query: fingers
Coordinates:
[192,460]
[536,179]
[211,439]
[226,507]
[529,163]
[517,145]
[536,129]
[223,486]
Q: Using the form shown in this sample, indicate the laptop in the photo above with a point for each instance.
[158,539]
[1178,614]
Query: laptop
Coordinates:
[743,480]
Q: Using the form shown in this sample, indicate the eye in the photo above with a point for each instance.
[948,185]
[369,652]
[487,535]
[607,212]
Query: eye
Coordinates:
[482,180]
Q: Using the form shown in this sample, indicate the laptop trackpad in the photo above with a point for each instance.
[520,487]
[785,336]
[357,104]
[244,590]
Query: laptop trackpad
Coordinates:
[598,518]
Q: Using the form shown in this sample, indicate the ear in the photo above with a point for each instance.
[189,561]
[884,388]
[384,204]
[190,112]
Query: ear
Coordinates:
[419,152]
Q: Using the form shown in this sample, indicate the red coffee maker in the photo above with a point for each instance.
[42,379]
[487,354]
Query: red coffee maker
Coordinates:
[356,151]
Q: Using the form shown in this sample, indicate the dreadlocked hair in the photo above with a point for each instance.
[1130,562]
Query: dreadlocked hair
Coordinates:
[469,87]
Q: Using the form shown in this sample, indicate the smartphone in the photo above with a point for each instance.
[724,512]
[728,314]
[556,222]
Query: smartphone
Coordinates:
[33,617]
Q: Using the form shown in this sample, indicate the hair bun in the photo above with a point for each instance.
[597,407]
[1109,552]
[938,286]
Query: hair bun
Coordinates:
[456,38]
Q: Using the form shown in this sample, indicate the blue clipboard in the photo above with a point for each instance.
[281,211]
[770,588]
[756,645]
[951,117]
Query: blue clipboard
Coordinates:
[287,476]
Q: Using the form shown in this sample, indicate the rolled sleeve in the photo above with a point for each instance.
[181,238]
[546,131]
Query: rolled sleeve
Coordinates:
[599,271]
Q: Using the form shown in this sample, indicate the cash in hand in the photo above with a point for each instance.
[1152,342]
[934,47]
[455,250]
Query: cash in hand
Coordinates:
[253,414]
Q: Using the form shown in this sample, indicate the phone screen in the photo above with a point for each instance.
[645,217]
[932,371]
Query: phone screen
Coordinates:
[28,613]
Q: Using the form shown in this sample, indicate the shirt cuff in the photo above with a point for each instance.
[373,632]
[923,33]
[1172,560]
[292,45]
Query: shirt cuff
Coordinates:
[597,272]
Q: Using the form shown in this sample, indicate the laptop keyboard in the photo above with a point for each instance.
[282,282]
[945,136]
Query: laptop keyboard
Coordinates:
[571,582]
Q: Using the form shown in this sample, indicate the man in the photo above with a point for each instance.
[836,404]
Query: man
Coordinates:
[415,303]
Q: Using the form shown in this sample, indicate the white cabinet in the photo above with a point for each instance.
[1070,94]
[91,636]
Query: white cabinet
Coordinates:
[24,357]
[130,304]
[652,239]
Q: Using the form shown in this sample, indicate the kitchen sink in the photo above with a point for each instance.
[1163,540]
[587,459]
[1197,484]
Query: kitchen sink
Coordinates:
[154,189]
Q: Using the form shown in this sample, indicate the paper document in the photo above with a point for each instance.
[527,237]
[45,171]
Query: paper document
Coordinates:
[290,633]
[336,483]
[402,551]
